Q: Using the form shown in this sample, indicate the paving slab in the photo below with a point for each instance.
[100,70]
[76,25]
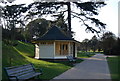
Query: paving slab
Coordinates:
[95,67]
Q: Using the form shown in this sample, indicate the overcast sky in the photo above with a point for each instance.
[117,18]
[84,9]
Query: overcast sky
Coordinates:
[119,18]
[108,14]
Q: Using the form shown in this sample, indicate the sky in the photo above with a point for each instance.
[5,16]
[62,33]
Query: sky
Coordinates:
[107,14]
[119,19]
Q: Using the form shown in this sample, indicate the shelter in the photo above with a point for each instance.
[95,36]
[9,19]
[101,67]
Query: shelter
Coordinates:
[55,44]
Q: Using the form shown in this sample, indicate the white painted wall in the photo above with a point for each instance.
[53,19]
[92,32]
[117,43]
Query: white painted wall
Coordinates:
[75,50]
[46,50]
[71,49]
[37,51]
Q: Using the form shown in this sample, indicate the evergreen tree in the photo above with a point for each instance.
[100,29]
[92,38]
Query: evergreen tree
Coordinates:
[85,12]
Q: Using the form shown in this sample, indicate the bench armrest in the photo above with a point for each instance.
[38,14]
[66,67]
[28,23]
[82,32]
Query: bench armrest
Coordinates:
[40,70]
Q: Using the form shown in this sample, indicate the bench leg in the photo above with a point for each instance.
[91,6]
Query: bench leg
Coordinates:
[37,77]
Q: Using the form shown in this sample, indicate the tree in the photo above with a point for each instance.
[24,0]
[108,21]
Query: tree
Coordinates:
[108,41]
[39,27]
[7,1]
[85,43]
[60,22]
[36,28]
[13,15]
[94,43]
[116,48]
[99,46]
[86,11]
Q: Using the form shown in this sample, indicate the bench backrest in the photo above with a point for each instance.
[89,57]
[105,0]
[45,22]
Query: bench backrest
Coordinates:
[19,70]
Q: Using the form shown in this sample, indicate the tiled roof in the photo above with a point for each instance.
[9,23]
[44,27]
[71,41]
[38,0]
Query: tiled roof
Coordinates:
[55,33]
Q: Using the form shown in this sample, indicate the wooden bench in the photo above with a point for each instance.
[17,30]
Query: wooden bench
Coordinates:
[23,72]
[71,59]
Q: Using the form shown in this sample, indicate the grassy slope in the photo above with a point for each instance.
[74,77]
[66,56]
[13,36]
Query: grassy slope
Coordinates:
[23,53]
[0,60]
[114,66]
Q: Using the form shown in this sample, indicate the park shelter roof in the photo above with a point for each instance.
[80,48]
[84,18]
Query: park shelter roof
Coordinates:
[55,33]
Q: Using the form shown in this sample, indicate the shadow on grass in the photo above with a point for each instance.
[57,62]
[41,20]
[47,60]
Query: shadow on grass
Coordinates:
[66,62]
[56,68]
[22,54]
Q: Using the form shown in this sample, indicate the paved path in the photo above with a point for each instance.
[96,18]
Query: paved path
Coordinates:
[95,67]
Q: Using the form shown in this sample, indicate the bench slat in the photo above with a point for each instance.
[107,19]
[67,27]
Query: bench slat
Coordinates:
[22,72]
[29,75]
[19,70]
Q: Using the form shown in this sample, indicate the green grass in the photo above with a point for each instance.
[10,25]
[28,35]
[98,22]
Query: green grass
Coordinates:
[114,67]
[0,60]
[23,53]
[85,54]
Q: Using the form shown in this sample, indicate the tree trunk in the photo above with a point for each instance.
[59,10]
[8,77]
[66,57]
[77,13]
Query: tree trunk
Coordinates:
[13,32]
[69,18]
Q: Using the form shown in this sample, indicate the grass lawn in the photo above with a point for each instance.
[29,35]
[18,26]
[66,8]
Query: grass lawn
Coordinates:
[85,54]
[114,67]
[23,53]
